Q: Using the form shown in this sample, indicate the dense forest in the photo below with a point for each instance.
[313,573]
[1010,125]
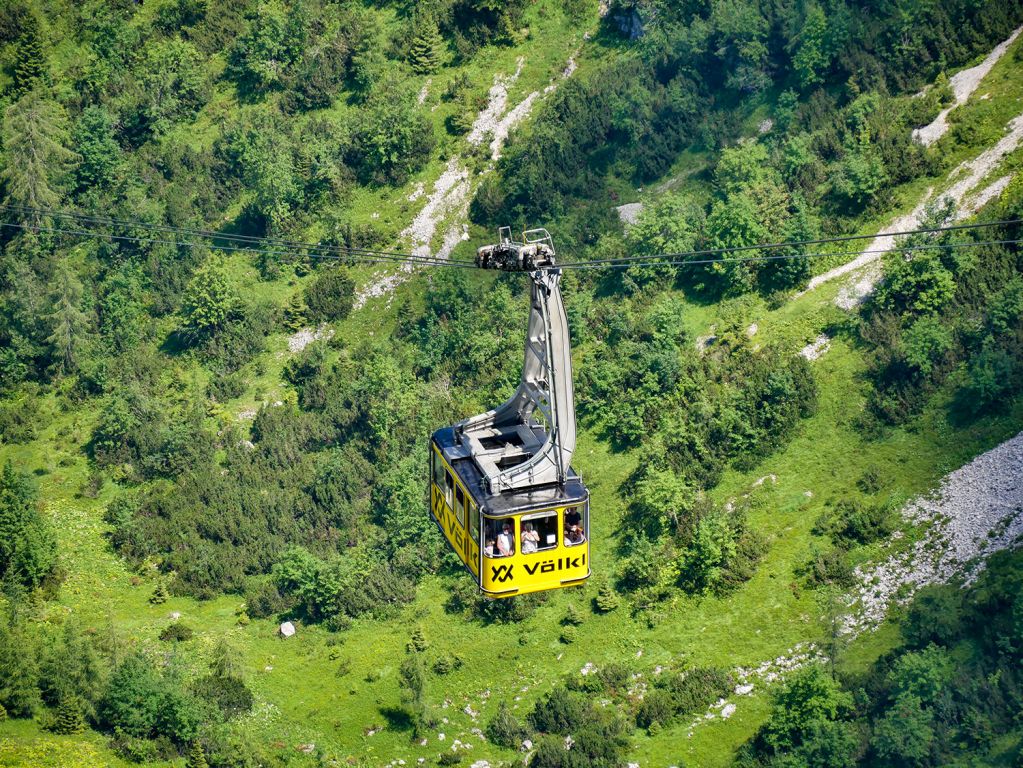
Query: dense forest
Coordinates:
[147,360]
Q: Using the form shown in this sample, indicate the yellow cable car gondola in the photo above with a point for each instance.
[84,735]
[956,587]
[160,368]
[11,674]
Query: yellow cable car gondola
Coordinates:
[502,489]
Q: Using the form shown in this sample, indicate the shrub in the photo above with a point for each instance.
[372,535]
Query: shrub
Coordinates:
[228,692]
[329,297]
[504,729]
[209,302]
[657,707]
[28,549]
[558,712]
[852,522]
[447,663]
[142,703]
[606,599]
[935,616]
[572,616]
[70,719]
[417,642]
[177,632]
[263,599]
[829,567]
[695,689]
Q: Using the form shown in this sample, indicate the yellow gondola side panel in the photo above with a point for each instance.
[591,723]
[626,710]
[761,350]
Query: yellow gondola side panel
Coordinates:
[460,540]
[558,566]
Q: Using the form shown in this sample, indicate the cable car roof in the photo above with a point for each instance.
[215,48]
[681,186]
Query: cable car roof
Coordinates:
[543,497]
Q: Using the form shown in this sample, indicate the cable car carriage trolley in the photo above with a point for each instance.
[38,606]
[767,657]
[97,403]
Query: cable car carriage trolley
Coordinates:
[502,489]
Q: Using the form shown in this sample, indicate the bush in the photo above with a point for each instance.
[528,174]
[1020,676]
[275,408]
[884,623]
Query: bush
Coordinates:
[606,599]
[177,632]
[934,616]
[504,729]
[230,693]
[447,663]
[830,567]
[558,712]
[144,704]
[329,297]
[852,522]
[695,689]
[657,707]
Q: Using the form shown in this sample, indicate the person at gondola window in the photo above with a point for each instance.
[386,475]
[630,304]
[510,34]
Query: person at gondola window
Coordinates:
[572,518]
[491,548]
[530,539]
[506,541]
[574,535]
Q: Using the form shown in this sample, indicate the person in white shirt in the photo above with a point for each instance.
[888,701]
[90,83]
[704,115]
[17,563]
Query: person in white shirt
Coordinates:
[506,541]
[530,539]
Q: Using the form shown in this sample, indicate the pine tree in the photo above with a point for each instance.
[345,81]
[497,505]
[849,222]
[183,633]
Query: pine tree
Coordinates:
[160,594]
[417,643]
[572,616]
[69,717]
[426,49]
[295,312]
[3,713]
[35,139]
[29,58]
[606,599]
[196,756]
[69,324]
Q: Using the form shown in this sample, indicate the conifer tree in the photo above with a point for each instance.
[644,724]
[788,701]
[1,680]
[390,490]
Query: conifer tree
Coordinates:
[572,616]
[28,550]
[68,322]
[19,675]
[417,643]
[606,599]
[160,594]
[196,756]
[37,160]
[29,58]
[295,312]
[426,49]
[69,717]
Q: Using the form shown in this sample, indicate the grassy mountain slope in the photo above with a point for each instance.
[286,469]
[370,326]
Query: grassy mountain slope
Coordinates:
[340,690]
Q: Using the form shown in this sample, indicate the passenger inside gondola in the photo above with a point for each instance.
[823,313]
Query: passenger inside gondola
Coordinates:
[574,535]
[530,539]
[506,541]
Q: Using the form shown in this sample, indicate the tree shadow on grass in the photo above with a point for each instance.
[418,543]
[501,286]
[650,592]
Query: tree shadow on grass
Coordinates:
[397,718]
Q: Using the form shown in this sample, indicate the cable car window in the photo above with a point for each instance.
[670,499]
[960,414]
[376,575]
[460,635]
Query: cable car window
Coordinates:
[438,471]
[500,537]
[474,522]
[539,532]
[576,522]
[460,505]
[449,489]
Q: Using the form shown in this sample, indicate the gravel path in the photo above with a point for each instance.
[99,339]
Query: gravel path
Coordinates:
[964,179]
[963,84]
[449,201]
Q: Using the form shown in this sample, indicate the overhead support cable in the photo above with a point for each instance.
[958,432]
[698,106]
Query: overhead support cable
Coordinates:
[662,257]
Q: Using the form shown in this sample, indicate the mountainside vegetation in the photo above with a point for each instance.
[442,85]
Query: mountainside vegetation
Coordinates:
[203,437]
